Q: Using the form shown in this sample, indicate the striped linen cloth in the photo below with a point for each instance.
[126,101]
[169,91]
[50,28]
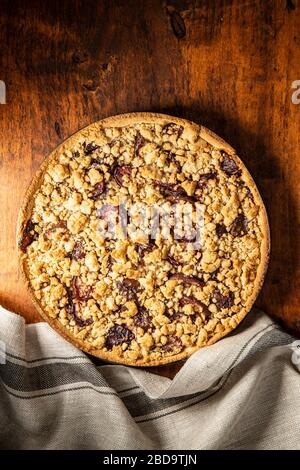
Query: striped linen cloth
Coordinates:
[241,393]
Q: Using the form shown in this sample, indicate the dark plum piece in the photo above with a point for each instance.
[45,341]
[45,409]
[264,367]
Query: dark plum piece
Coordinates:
[62,224]
[72,308]
[205,177]
[172,128]
[169,186]
[193,280]
[173,261]
[142,249]
[174,343]
[220,230]
[249,194]
[78,251]
[119,171]
[175,316]
[90,147]
[96,162]
[140,141]
[99,189]
[214,275]
[118,334]
[174,193]
[79,291]
[212,175]
[110,263]
[230,167]
[142,319]
[222,301]
[171,158]
[129,283]
[239,227]
[129,288]
[27,236]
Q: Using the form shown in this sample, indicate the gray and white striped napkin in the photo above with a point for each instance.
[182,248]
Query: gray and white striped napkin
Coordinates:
[240,393]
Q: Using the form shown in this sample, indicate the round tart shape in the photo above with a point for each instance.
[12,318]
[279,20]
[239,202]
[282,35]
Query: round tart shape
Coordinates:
[133,299]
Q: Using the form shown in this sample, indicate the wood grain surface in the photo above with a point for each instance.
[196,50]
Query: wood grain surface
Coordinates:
[226,64]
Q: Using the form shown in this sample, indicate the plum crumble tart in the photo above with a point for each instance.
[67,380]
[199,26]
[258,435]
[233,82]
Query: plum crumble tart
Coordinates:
[138,299]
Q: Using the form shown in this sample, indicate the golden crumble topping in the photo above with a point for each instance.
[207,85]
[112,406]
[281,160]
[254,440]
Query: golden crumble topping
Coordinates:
[133,297]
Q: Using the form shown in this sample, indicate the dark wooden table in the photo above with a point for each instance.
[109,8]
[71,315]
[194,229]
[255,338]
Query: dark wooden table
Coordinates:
[226,64]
